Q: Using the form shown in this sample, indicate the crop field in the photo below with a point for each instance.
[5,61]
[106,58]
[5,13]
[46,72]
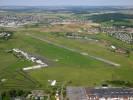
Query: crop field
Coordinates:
[66,65]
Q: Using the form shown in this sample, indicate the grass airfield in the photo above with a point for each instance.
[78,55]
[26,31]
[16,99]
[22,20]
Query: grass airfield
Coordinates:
[72,67]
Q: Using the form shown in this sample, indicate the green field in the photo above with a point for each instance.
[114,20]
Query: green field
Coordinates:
[72,67]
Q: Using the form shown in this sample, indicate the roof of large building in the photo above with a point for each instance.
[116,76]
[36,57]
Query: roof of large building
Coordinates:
[109,92]
[82,93]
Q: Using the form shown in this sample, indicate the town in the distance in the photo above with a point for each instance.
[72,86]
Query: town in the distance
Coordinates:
[66,53]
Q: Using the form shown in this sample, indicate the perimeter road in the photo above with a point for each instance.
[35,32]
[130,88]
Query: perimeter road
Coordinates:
[77,51]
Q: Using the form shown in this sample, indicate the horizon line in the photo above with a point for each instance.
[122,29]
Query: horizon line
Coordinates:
[67,5]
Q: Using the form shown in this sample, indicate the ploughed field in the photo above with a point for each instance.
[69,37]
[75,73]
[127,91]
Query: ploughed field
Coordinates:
[64,65]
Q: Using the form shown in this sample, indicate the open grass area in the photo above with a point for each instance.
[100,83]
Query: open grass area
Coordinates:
[10,70]
[71,66]
[98,49]
[10,67]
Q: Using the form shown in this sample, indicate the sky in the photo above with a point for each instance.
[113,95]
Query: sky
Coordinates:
[66,2]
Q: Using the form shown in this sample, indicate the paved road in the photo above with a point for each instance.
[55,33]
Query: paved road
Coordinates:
[77,51]
[76,93]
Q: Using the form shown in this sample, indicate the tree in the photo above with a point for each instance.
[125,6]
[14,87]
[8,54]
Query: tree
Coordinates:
[128,53]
